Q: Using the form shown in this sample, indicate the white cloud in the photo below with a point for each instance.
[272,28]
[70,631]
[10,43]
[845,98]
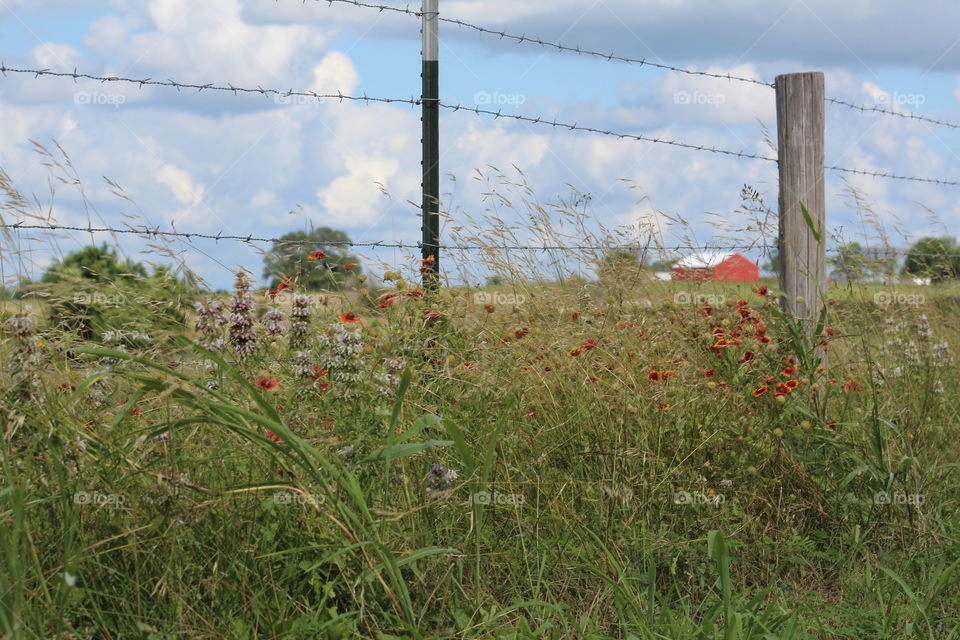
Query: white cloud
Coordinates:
[108,33]
[352,199]
[60,57]
[335,72]
[183,186]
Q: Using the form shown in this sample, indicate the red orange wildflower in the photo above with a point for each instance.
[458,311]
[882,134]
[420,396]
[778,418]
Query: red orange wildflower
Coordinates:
[267,384]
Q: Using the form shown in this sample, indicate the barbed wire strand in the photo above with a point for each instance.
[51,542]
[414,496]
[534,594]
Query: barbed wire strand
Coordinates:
[145,231]
[610,57]
[142,82]
[523,38]
[236,90]
[865,253]
[891,112]
[892,176]
[75,75]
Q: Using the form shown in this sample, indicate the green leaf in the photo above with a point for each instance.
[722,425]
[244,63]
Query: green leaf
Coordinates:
[422,423]
[455,434]
[407,449]
[809,221]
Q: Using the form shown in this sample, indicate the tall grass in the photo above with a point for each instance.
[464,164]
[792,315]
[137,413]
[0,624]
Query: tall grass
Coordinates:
[579,460]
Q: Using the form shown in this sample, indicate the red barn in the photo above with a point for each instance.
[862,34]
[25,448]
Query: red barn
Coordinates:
[716,267]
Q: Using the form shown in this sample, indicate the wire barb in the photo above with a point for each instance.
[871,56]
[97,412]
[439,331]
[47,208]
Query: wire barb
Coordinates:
[890,112]
[523,38]
[286,95]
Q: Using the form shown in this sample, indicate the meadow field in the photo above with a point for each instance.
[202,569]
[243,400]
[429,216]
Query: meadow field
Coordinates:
[610,458]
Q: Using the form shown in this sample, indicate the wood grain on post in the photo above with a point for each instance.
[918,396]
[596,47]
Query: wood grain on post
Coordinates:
[800,124]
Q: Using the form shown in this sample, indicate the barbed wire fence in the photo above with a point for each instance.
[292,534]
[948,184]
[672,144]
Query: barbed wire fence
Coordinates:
[282,96]
[872,253]
[849,329]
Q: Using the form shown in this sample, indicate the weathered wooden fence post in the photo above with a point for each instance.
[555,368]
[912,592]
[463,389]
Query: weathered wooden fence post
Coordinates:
[800,125]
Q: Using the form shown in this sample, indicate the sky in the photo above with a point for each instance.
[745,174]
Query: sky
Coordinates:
[209,162]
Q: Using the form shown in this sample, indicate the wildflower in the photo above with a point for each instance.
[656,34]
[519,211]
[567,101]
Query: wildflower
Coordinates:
[348,318]
[521,332]
[388,300]
[340,350]
[762,291]
[791,384]
[659,376]
[747,357]
[851,387]
[318,375]
[273,321]
[390,379]
[759,391]
[271,436]
[348,266]
[430,314]
[489,308]
[316,255]
[428,264]
[26,355]
[267,384]
[707,372]
[136,412]
[242,334]
[788,371]
[440,479]
[586,345]
[663,407]
[209,323]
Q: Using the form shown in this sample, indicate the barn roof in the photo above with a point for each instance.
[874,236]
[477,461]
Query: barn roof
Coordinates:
[703,260]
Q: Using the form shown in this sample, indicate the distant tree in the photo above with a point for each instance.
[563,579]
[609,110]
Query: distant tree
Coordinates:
[934,258]
[290,257]
[850,262]
[662,265]
[619,263]
[93,289]
[100,264]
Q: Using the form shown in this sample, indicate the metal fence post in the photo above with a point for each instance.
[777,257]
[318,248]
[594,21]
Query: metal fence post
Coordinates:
[430,209]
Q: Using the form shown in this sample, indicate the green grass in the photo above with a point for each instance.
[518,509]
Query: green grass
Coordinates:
[583,463]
